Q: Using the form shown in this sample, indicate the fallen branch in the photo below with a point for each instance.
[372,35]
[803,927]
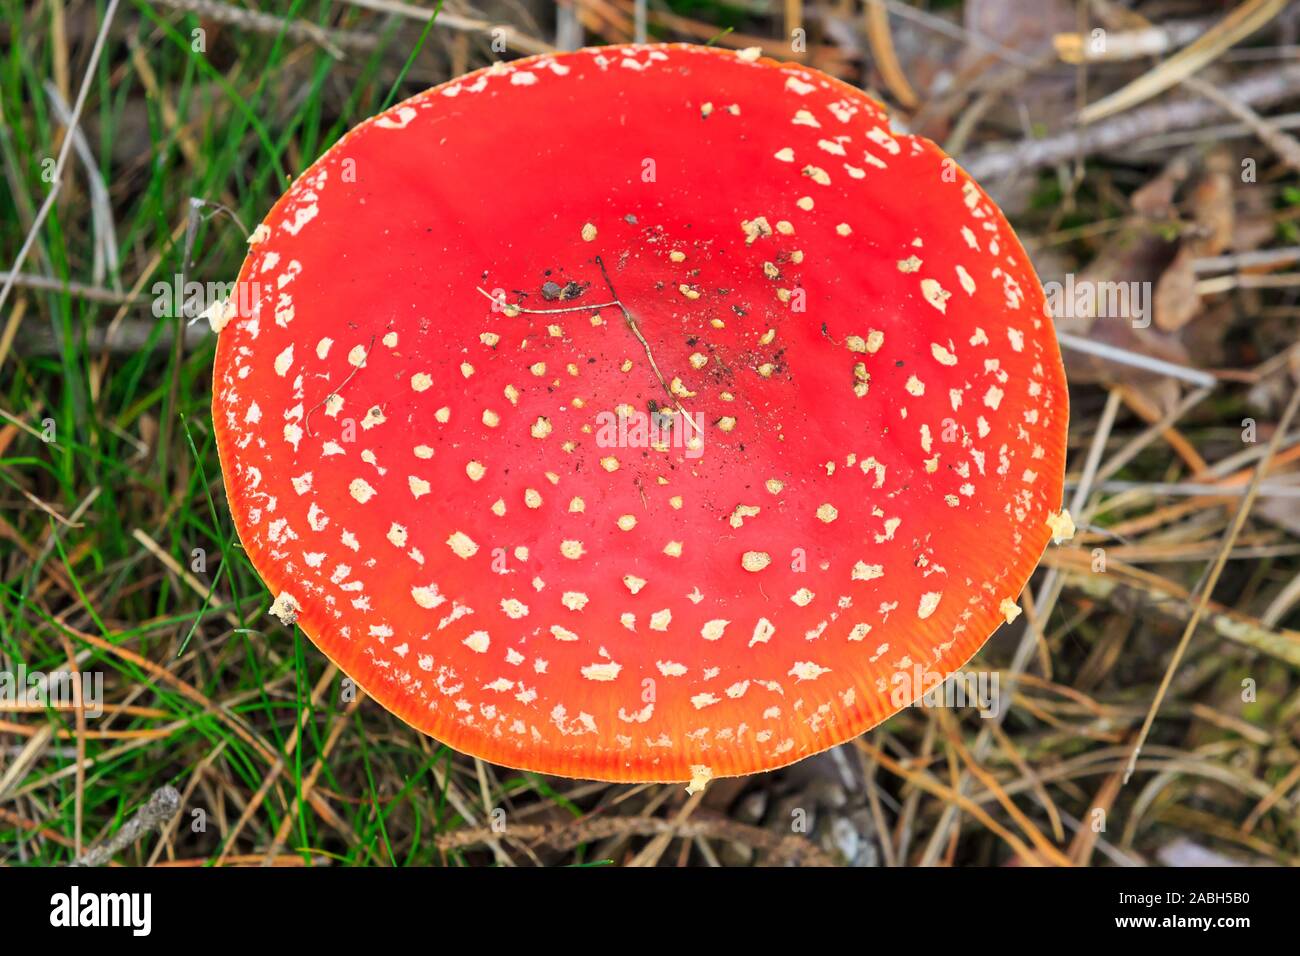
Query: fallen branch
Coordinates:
[162,806]
[1261,88]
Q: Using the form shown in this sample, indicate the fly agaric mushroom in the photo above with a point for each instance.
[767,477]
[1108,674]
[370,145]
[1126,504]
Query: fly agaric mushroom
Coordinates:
[640,413]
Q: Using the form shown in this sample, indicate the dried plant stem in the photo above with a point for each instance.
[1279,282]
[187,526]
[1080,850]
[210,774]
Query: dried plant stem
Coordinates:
[162,806]
[1048,592]
[62,159]
[1212,578]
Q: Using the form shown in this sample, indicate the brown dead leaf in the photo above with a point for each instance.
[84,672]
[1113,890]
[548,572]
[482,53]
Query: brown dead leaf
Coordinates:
[1155,199]
[1176,300]
[1212,203]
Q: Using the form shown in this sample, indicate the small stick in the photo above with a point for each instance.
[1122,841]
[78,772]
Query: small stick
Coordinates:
[57,182]
[631,324]
[162,806]
[1136,359]
[306,419]
[1258,89]
[510,306]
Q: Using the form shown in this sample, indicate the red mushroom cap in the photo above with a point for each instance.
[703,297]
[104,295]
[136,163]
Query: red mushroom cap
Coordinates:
[640,413]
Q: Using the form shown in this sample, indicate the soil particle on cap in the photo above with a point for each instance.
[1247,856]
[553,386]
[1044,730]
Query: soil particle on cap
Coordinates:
[552,291]
[662,419]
